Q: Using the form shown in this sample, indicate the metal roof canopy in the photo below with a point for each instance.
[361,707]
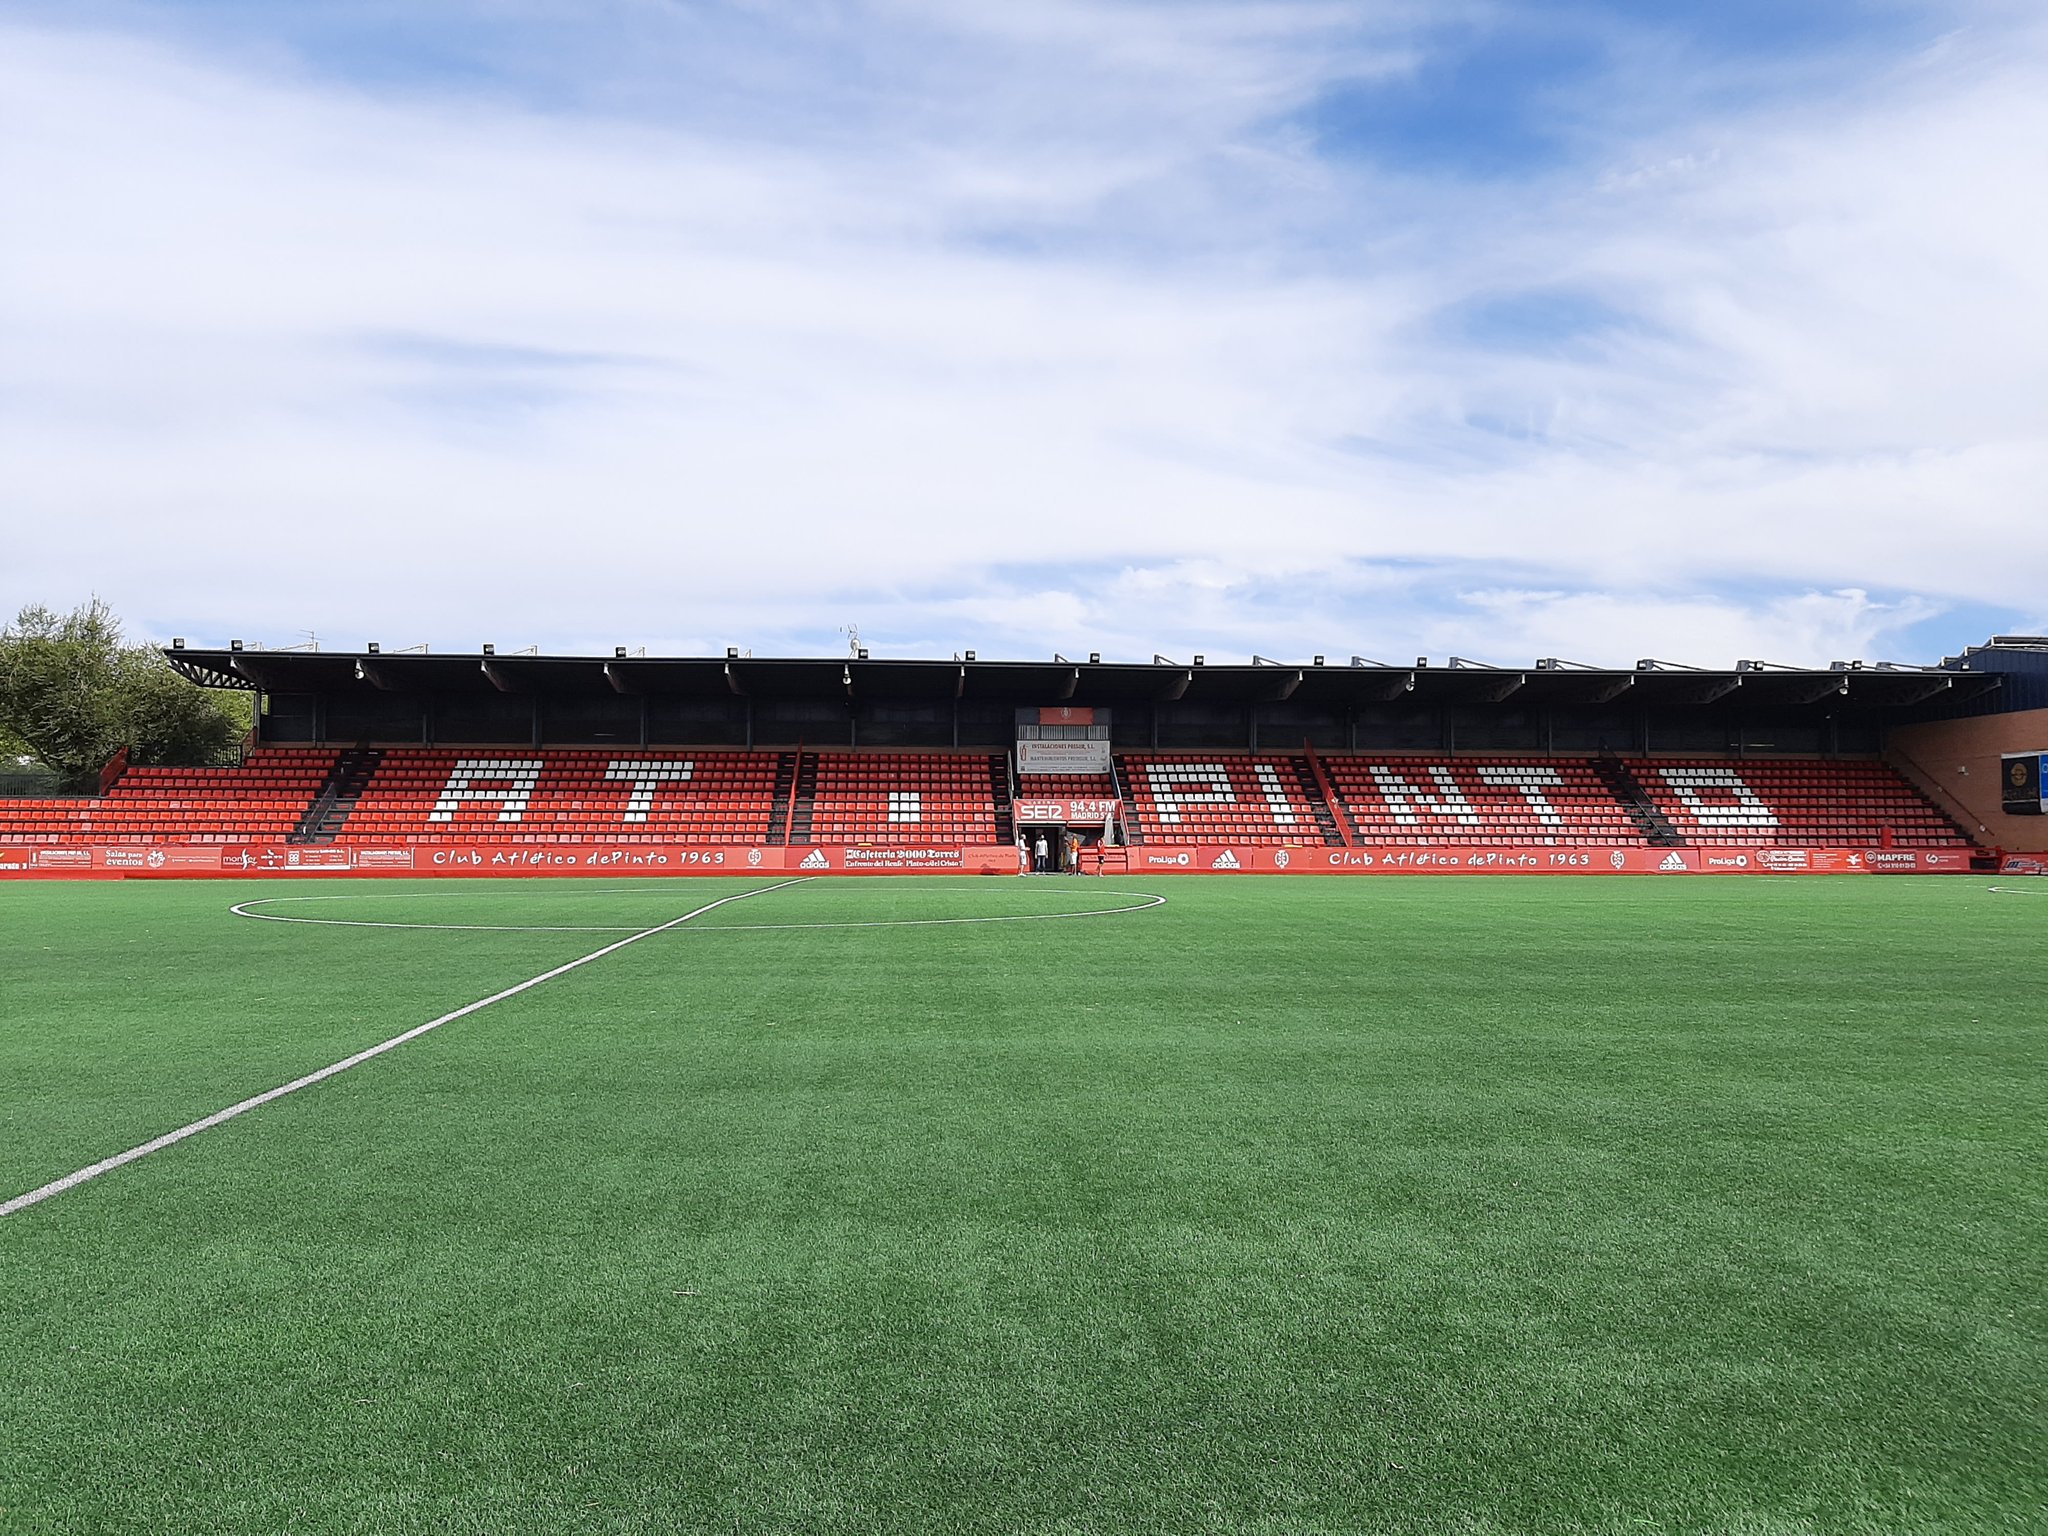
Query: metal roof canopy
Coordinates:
[1549,684]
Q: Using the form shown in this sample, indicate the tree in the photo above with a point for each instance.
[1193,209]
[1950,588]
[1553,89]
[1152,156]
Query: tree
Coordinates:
[72,695]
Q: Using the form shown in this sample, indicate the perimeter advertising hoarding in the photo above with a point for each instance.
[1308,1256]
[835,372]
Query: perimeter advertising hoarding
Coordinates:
[490,860]
[1471,859]
[500,859]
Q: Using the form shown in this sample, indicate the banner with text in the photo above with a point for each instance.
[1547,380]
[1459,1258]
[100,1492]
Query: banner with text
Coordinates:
[1063,757]
[179,860]
[1091,813]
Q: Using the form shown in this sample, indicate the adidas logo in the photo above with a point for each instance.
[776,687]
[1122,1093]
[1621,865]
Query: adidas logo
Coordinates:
[815,859]
[1226,860]
[1672,864]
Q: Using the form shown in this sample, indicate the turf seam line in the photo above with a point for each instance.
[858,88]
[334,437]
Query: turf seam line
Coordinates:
[1146,902]
[222,1116]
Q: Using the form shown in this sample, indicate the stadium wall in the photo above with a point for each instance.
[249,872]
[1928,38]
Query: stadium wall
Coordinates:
[1956,763]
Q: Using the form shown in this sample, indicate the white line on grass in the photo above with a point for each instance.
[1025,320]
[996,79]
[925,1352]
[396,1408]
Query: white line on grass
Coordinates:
[1146,900]
[220,1117]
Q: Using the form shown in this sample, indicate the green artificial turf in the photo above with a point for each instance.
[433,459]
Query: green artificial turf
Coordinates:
[1414,1205]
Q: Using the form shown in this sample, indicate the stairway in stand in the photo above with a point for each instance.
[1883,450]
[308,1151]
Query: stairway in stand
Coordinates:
[1312,791]
[999,786]
[803,798]
[785,792]
[1642,810]
[336,801]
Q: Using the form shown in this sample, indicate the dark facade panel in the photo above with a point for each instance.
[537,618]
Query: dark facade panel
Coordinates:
[1590,730]
[816,722]
[1678,730]
[591,719]
[288,717]
[365,716]
[693,722]
[1477,728]
[485,719]
[1283,727]
[1183,725]
[1403,727]
[927,724]
[986,725]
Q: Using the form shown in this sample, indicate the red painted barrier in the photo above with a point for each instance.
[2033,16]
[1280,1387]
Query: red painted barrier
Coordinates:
[177,860]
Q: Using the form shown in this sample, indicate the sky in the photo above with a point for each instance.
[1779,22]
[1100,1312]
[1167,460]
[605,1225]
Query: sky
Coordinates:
[1495,328]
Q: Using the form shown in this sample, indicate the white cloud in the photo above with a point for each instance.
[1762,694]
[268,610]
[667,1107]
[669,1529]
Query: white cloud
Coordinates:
[288,354]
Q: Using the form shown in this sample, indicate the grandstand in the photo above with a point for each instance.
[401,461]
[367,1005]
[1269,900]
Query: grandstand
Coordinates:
[375,752]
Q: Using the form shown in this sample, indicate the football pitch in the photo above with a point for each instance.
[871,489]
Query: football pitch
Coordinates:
[1282,1206]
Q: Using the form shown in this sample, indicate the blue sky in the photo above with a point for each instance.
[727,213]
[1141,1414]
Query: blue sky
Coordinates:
[1600,330]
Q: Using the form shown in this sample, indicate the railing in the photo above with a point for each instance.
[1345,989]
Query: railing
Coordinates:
[1933,790]
[1340,809]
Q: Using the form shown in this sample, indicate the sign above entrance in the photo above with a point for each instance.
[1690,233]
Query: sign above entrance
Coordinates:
[1063,757]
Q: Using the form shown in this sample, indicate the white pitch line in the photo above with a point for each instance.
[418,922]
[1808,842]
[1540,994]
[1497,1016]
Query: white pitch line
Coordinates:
[221,1117]
[1147,902]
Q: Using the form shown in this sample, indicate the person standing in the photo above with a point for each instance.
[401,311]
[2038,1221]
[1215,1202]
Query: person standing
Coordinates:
[1023,856]
[1041,856]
